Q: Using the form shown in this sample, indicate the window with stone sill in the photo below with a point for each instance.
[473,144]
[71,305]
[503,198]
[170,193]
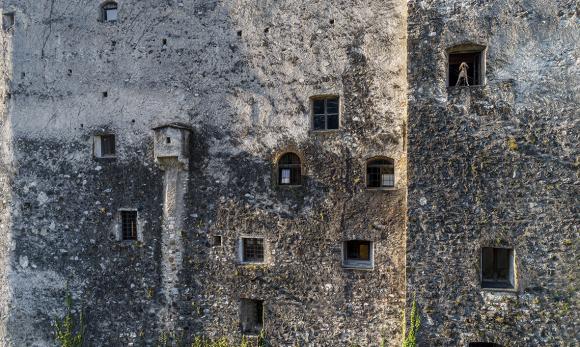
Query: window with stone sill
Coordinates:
[104,146]
[289,170]
[325,113]
[358,254]
[251,316]
[497,268]
[129,225]
[252,250]
[466,65]
[109,12]
[381,173]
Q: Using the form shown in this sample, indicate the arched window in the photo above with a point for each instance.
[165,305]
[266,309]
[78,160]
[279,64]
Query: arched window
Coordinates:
[109,11]
[381,173]
[289,170]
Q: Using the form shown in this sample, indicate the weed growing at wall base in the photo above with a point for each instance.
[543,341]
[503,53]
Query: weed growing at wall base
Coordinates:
[410,337]
[69,332]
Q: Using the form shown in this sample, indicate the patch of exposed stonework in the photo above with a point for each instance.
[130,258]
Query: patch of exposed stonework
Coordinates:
[494,166]
[246,98]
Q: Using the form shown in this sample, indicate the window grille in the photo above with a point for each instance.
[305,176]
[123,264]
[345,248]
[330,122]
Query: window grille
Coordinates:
[253,250]
[107,145]
[129,225]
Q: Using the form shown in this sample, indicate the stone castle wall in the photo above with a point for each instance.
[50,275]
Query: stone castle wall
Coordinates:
[494,166]
[240,74]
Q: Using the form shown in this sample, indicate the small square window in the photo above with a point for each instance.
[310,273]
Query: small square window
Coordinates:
[251,316]
[8,21]
[325,113]
[110,12]
[252,250]
[483,344]
[466,68]
[358,254]
[217,241]
[104,146]
[497,270]
[380,173]
[129,225]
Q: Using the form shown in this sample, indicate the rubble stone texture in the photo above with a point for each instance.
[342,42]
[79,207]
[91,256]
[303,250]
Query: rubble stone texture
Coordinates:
[240,74]
[492,165]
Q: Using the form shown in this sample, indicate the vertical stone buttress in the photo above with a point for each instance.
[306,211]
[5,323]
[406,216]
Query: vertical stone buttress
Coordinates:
[5,174]
[171,155]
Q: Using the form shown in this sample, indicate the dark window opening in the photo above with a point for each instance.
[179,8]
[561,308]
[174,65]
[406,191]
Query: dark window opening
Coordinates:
[239,33]
[168,139]
[217,241]
[483,344]
[129,225]
[253,250]
[497,268]
[358,253]
[107,145]
[472,68]
[110,12]
[325,113]
[251,316]
[105,94]
[8,21]
[164,41]
[289,170]
[380,173]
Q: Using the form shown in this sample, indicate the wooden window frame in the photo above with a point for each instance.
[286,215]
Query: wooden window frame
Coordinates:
[296,169]
[382,167]
[325,113]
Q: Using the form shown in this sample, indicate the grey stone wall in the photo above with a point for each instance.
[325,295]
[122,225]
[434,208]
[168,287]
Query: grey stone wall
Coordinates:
[494,165]
[239,73]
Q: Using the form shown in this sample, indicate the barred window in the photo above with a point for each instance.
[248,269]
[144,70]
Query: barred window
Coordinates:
[380,173]
[325,113]
[289,170]
[109,12]
[253,250]
[129,225]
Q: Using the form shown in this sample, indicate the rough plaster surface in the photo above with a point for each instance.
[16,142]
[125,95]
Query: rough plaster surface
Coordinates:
[247,99]
[495,166]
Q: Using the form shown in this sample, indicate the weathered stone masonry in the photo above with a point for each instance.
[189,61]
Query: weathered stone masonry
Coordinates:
[494,166]
[230,83]
[240,75]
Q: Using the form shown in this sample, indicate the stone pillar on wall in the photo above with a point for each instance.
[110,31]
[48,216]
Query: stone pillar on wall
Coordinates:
[171,154]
